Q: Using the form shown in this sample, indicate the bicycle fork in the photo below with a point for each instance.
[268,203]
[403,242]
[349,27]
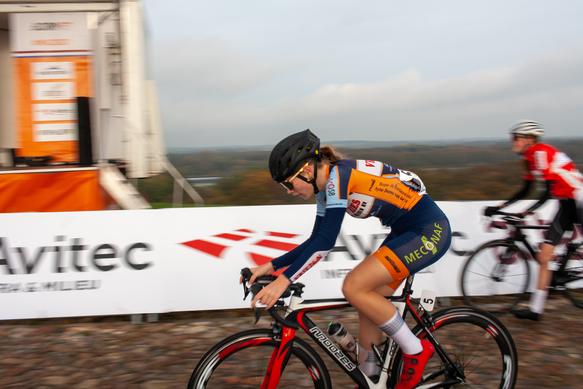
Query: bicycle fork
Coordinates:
[279,359]
[426,322]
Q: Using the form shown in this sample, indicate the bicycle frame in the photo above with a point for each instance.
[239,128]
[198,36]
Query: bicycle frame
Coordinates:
[297,313]
[518,236]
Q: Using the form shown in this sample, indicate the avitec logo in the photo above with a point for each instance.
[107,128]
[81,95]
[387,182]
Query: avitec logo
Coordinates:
[71,256]
[67,257]
[256,245]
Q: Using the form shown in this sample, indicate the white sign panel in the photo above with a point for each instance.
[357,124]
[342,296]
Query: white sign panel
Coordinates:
[52,70]
[49,32]
[154,261]
[54,112]
[53,91]
[54,132]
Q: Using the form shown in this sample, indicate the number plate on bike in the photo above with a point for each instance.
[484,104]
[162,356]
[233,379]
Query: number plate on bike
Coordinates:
[427,299]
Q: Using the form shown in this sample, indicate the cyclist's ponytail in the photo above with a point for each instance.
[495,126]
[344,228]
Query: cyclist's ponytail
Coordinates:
[330,155]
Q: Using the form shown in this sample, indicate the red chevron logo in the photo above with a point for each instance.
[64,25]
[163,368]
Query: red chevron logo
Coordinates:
[218,245]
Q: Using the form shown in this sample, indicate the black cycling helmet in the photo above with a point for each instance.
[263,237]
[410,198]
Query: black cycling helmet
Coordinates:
[288,155]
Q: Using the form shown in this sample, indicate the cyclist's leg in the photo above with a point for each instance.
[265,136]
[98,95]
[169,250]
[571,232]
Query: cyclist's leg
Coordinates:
[369,333]
[544,256]
[394,260]
[360,289]
[563,221]
[476,342]
[419,248]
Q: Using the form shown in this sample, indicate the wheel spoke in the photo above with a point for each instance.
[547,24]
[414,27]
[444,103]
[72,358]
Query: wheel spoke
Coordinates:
[242,360]
[574,270]
[477,343]
[490,284]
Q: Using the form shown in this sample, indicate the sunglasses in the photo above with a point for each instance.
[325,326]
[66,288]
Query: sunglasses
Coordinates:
[287,184]
[516,137]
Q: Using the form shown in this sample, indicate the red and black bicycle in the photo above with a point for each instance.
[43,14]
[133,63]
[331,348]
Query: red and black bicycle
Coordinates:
[473,348]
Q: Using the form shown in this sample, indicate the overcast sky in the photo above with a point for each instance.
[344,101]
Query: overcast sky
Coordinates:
[250,72]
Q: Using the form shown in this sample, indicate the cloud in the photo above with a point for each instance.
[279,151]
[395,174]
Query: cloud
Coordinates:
[548,88]
[210,68]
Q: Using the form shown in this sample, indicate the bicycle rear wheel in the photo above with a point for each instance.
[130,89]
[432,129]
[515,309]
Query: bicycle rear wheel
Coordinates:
[478,344]
[495,277]
[241,361]
[574,277]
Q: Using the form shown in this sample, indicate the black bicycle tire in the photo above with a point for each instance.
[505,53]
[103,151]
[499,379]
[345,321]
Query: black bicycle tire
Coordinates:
[477,317]
[577,301]
[475,257]
[304,352]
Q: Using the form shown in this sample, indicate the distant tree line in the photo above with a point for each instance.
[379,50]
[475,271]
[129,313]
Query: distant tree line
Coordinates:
[450,172]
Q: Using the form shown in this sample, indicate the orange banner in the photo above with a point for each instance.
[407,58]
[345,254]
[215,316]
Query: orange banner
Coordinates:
[52,54]
[51,192]
[47,88]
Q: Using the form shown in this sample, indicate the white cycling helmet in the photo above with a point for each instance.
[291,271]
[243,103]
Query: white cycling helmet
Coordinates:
[528,128]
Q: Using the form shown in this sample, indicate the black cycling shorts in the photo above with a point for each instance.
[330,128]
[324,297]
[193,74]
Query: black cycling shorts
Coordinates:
[567,215]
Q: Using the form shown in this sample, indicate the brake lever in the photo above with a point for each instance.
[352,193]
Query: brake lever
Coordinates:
[245,290]
[255,288]
[246,273]
[258,314]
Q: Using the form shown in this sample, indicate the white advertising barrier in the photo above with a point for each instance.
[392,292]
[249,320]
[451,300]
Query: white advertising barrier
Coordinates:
[155,261]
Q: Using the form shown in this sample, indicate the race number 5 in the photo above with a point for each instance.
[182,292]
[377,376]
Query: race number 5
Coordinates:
[427,300]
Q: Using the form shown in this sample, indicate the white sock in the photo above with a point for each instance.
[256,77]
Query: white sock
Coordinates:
[397,330]
[538,300]
[370,367]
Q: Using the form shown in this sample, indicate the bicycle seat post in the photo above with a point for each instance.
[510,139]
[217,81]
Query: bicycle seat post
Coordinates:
[407,288]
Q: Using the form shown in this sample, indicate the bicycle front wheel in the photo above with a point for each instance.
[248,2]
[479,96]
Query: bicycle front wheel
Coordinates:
[495,277]
[574,277]
[241,361]
[477,343]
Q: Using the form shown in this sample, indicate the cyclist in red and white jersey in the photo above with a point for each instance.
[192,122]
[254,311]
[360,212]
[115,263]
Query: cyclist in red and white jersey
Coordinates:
[562,181]
[420,235]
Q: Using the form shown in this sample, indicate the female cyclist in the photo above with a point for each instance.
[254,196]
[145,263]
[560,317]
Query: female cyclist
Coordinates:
[420,235]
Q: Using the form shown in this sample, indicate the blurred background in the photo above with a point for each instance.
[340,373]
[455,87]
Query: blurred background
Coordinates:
[200,91]
[138,104]
[430,87]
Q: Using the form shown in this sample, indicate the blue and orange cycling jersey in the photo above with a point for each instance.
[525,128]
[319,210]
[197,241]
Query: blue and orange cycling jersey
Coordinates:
[363,189]
[370,188]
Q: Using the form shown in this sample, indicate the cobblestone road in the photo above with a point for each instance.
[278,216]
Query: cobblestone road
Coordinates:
[87,353]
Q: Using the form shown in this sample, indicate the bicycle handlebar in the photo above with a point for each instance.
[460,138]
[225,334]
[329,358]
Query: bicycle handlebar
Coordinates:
[507,216]
[513,219]
[260,283]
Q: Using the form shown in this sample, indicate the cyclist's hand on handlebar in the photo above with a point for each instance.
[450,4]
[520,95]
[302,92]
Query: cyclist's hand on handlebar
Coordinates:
[490,211]
[272,292]
[263,270]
